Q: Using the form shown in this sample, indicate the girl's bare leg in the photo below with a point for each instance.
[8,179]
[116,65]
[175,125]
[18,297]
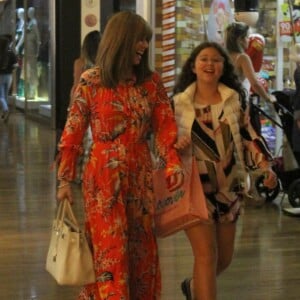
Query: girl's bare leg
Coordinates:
[203,241]
[225,235]
[212,246]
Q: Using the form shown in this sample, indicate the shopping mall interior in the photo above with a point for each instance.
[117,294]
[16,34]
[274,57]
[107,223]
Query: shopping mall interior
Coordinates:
[267,246]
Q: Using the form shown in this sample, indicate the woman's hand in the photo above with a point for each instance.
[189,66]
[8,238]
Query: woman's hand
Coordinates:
[175,181]
[272,98]
[182,142]
[64,192]
[270,180]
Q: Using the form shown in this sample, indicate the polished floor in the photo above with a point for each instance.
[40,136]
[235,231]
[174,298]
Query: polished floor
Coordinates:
[266,265]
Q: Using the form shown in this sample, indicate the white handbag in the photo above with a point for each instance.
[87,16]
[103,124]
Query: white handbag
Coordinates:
[69,258]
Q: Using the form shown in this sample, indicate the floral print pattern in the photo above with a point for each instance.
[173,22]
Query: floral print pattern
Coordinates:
[117,180]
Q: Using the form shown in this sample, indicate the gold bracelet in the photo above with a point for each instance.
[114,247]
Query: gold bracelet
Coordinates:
[62,185]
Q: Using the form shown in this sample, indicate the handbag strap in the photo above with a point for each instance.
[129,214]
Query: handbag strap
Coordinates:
[59,216]
[65,211]
[68,212]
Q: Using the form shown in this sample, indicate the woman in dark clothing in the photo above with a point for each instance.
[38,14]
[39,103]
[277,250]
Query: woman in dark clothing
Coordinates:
[296,106]
[7,63]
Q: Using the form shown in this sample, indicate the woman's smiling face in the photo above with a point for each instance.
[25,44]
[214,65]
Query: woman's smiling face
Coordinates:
[140,48]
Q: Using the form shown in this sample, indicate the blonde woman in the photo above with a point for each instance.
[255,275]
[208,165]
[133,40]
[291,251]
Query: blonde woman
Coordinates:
[236,43]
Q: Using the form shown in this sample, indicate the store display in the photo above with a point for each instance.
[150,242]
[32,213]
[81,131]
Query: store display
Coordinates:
[31,51]
[220,15]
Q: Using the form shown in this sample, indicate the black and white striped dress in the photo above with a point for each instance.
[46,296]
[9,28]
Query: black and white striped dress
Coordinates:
[214,149]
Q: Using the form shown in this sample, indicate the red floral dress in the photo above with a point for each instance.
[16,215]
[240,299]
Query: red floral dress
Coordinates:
[117,180]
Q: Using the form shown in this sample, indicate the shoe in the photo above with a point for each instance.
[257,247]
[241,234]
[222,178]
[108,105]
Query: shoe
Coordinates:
[5,116]
[186,288]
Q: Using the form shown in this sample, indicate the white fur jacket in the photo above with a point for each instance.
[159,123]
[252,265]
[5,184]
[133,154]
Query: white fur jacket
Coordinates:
[185,112]
[185,115]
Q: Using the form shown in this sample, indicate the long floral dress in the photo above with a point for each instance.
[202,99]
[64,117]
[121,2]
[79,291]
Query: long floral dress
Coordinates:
[117,180]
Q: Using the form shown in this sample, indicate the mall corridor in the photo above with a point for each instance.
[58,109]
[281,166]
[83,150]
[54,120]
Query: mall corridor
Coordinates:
[266,265]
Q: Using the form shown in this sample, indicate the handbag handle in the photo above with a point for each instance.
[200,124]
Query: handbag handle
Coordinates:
[59,216]
[65,212]
[68,212]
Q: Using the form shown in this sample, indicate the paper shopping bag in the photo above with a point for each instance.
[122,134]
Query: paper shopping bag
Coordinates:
[182,208]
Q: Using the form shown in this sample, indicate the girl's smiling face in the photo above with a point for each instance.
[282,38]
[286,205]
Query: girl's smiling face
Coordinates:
[208,65]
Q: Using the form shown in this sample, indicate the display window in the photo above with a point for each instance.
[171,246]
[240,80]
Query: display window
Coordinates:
[196,21]
[32,39]
[27,21]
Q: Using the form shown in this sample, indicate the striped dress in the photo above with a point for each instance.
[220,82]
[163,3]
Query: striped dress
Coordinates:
[215,146]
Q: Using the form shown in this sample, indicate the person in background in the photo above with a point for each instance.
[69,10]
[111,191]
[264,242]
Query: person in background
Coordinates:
[8,61]
[123,101]
[85,61]
[19,47]
[255,50]
[87,57]
[209,103]
[236,43]
[296,107]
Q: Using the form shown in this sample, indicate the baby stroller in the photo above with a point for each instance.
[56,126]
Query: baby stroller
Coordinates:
[288,178]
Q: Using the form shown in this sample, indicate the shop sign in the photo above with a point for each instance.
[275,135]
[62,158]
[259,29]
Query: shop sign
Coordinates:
[286,30]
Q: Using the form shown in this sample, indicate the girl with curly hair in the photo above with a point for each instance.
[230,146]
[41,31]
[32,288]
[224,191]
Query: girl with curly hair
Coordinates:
[209,107]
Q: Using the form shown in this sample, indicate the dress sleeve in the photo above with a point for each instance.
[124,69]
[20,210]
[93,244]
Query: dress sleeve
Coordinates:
[70,145]
[165,128]
[257,152]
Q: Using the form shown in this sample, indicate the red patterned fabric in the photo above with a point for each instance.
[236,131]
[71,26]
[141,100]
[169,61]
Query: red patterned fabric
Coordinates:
[117,181]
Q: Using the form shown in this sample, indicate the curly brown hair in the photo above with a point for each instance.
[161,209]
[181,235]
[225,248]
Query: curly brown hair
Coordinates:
[229,77]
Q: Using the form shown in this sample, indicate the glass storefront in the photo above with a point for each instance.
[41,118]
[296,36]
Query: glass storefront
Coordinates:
[29,23]
[32,46]
[197,20]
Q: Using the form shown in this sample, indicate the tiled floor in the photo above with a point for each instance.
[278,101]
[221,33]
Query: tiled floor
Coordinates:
[267,259]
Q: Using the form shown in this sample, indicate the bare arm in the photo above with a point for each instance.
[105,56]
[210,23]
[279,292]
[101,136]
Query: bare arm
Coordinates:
[77,70]
[244,62]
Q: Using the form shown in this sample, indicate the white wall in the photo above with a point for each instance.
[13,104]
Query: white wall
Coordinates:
[90,16]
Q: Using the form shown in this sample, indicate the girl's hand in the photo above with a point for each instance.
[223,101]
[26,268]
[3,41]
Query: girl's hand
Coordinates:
[182,142]
[272,98]
[175,181]
[270,180]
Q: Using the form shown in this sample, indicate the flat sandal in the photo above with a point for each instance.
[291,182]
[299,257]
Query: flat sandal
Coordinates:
[186,288]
